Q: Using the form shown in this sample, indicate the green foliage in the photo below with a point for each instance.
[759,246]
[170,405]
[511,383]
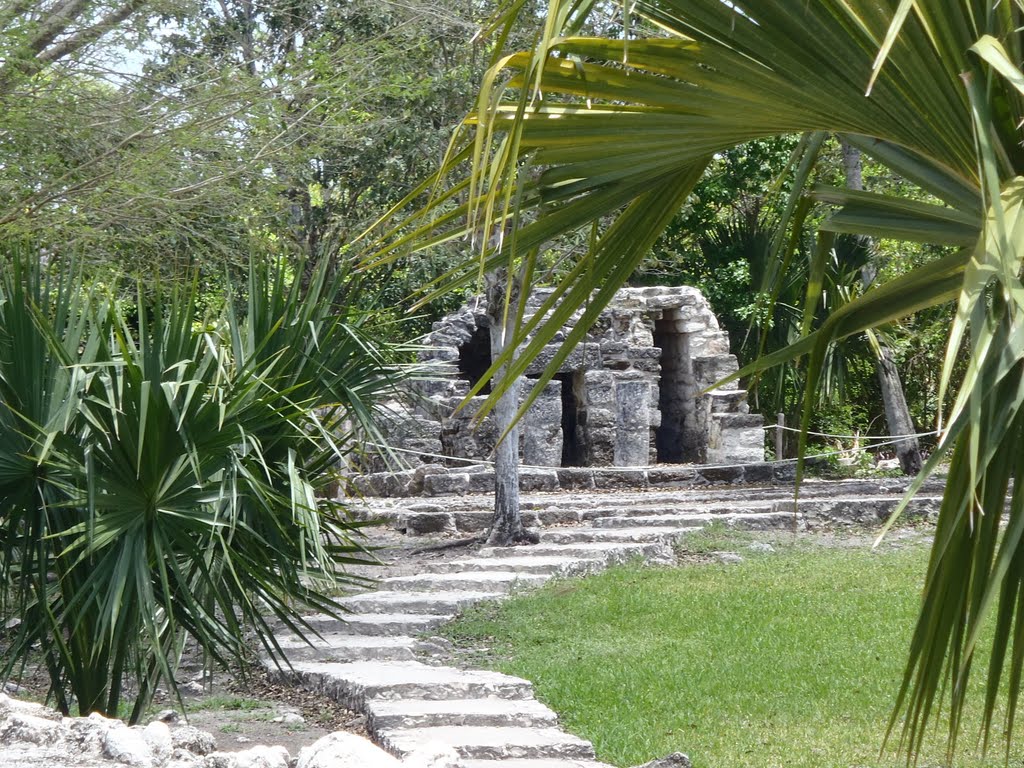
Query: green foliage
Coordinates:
[164,479]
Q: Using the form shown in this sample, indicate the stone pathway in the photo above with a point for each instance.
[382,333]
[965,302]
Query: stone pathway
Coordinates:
[372,663]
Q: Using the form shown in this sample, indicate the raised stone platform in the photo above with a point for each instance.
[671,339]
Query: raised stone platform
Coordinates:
[441,480]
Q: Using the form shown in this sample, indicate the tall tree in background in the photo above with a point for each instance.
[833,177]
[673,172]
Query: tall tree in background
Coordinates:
[36,35]
[897,414]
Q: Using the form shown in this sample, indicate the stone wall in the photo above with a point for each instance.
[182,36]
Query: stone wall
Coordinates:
[631,395]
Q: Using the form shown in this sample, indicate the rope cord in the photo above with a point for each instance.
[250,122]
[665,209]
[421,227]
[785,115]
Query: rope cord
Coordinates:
[485,462]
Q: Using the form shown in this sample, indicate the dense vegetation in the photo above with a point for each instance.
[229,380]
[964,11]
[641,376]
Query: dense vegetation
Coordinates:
[180,141]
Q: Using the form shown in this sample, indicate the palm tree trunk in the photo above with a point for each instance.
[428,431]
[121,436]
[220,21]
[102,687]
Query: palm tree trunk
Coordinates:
[897,414]
[507,525]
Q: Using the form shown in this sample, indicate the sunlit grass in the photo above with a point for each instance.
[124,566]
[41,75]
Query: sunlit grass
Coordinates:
[791,658]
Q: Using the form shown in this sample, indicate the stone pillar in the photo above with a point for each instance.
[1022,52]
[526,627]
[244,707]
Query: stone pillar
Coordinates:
[596,418]
[541,427]
[632,420]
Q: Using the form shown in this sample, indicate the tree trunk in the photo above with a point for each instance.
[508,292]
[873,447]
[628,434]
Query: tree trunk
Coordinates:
[507,526]
[897,415]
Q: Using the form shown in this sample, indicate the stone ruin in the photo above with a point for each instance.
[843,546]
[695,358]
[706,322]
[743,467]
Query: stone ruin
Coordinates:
[631,395]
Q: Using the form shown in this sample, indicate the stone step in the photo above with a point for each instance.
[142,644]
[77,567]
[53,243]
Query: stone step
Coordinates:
[379,623]
[542,763]
[485,581]
[677,508]
[447,603]
[421,713]
[483,743]
[590,535]
[758,521]
[354,684]
[608,552]
[335,646]
[550,565]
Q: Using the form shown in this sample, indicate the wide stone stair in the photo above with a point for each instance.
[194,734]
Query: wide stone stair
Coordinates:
[380,660]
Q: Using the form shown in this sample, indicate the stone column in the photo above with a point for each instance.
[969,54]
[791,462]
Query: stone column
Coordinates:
[632,420]
[596,422]
[541,427]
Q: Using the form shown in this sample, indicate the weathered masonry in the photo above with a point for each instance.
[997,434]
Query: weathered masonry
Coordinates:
[631,395]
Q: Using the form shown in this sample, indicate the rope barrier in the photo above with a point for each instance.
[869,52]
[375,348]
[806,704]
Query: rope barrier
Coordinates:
[774,462]
[897,438]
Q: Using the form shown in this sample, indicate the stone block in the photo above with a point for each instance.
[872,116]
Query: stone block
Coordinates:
[473,521]
[455,483]
[784,472]
[585,356]
[555,515]
[532,481]
[758,473]
[481,482]
[419,523]
[718,475]
[670,475]
[618,478]
[575,478]
[541,427]
[421,472]
[438,354]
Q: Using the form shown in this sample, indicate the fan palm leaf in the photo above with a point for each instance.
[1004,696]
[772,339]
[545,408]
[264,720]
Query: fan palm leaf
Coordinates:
[614,133]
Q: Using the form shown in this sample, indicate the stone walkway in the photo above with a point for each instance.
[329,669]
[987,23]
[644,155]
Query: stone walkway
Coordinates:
[378,661]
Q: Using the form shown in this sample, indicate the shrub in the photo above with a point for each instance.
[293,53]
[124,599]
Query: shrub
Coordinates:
[164,481]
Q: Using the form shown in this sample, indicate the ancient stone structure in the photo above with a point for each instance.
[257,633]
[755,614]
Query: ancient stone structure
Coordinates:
[631,395]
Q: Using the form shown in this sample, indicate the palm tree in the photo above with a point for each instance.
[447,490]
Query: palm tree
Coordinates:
[614,134]
[164,481]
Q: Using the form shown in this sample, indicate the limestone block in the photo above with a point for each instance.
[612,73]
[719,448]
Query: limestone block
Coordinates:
[629,478]
[420,473]
[671,475]
[581,358]
[710,369]
[600,447]
[632,423]
[541,427]
[433,755]
[345,750]
[193,740]
[598,389]
[127,746]
[597,419]
[736,438]
[575,478]
[438,353]
[481,482]
[710,342]
[422,522]
[531,481]
[455,483]
[158,737]
[729,401]
[728,474]
[758,473]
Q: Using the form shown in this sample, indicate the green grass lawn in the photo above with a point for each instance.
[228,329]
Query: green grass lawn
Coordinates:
[791,658]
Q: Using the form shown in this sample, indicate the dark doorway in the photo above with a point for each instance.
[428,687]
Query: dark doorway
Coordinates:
[572,449]
[475,358]
[674,438]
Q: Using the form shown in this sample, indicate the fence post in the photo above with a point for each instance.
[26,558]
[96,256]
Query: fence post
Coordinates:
[780,437]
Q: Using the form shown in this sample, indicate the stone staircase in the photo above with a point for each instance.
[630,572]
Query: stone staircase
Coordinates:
[379,660]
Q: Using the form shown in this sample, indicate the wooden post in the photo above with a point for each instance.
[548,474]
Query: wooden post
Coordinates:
[780,437]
